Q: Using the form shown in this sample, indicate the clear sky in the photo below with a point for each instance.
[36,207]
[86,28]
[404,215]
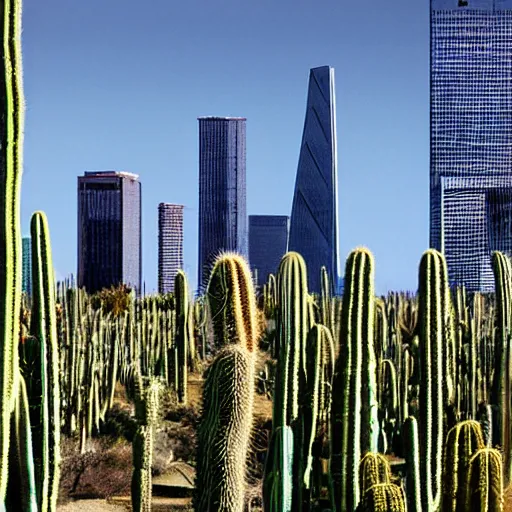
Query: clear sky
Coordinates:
[119,84]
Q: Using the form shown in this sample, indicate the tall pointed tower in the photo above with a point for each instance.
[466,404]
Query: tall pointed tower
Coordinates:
[314,218]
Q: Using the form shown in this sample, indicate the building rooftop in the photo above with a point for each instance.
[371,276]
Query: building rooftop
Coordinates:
[220,118]
[163,205]
[112,174]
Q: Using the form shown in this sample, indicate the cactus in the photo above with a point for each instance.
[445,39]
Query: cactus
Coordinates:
[44,329]
[354,416]
[182,335]
[373,469]
[412,454]
[224,431]
[277,483]
[434,322]
[462,441]
[501,392]
[11,158]
[232,302]
[484,482]
[383,498]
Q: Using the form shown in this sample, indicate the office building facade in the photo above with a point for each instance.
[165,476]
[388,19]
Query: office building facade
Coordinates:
[26,272]
[314,218]
[268,243]
[471,136]
[170,245]
[222,191]
[109,230]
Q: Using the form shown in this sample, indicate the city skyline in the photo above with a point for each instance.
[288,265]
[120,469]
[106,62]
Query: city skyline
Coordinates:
[131,94]
[109,230]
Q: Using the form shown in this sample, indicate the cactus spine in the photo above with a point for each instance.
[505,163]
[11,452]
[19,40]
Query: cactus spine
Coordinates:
[11,158]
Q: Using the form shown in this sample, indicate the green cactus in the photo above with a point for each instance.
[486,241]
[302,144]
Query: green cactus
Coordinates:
[182,335]
[373,469]
[46,436]
[412,461]
[434,322]
[224,431]
[231,298]
[355,427]
[11,157]
[383,498]
[484,482]
[462,441]
[502,386]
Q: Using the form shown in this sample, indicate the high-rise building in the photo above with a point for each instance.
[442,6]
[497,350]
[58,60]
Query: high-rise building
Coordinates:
[26,272]
[109,230]
[268,243]
[314,218]
[222,191]
[471,136]
[170,245]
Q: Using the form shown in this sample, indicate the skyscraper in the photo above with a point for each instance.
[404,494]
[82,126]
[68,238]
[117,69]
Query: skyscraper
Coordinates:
[109,230]
[314,218]
[222,191]
[26,273]
[268,242]
[471,136]
[170,245]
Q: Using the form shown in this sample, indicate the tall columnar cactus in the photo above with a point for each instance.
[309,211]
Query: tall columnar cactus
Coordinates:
[225,427]
[232,302]
[484,482]
[224,432]
[182,334]
[11,165]
[462,441]
[502,391]
[434,334]
[412,455]
[355,427]
[44,329]
[146,412]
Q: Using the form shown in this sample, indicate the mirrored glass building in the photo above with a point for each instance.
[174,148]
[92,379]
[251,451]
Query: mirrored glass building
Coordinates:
[109,230]
[222,191]
[314,218]
[471,136]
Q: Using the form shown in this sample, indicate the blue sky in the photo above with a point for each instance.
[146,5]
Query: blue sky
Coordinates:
[119,84]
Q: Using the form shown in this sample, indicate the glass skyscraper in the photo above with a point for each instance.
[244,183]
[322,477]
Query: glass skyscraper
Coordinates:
[170,245]
[109,230]
[471,136]
[222,191]
[268,243]
[26,273]
[314,218]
